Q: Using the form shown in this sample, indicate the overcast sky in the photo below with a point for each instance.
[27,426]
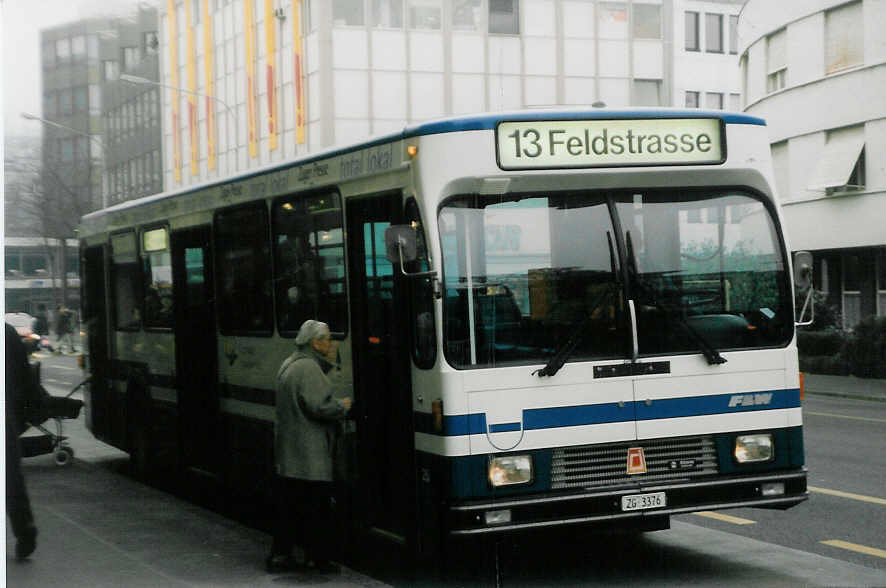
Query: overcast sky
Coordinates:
[22,20]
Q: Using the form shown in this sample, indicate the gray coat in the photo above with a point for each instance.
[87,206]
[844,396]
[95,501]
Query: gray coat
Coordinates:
[307,412]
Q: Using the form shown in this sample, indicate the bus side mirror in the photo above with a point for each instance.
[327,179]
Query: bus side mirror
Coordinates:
[401,247]
[400,244]
[802,269]
[803,281]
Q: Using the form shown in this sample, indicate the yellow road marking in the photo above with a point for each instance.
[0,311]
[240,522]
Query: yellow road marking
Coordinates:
[724,517]
[856,547]
[842,494]
[843,416]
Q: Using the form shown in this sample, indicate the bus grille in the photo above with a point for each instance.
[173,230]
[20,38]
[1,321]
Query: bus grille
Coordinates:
[594,466]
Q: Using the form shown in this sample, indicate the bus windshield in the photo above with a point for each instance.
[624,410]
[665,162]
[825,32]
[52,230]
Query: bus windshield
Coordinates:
[526,274]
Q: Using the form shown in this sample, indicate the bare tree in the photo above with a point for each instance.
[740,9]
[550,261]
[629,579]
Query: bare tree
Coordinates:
[55,201]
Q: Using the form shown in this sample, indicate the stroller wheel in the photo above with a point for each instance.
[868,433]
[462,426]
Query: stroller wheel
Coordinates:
[64,456]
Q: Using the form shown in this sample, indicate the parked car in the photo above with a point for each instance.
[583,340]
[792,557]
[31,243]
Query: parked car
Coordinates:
[23,323]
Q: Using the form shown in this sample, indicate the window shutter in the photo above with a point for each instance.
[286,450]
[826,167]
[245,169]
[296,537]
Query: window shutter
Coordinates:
[777,52]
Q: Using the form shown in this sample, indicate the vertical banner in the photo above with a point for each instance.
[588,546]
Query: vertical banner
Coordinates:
[249,24]
[271,59]
[298,74]
[174,93]
[209,70]
[192,88]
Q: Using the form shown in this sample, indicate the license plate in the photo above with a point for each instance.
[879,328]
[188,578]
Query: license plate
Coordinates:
[643,501]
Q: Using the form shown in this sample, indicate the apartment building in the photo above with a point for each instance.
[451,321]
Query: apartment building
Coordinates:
[816,71]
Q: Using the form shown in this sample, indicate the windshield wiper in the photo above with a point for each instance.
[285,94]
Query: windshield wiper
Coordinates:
[565,351]
[562,354]
[709,351]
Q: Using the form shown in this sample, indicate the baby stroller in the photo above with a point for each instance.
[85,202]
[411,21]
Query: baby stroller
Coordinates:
[56,408]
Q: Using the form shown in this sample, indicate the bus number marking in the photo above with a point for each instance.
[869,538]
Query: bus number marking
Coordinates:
[591,143]
[532,138]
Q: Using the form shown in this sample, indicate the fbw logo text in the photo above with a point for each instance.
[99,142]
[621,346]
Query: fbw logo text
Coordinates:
[750,399]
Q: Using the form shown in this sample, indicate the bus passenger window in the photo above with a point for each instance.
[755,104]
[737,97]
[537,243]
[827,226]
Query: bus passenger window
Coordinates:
[157,266]
[126,282]
[244,272]
[309,262]
[158,290]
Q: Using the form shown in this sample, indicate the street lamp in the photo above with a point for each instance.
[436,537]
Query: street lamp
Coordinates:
[96,138]
[138,80]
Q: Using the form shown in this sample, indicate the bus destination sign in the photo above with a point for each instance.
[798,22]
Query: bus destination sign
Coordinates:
[609,143]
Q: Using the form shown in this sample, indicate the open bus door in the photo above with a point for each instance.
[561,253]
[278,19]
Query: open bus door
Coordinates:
[381,371]
[195,344]
[95,316]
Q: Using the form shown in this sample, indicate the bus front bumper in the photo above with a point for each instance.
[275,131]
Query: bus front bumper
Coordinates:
[519,513]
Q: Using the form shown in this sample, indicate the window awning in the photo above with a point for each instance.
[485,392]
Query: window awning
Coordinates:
[838,158]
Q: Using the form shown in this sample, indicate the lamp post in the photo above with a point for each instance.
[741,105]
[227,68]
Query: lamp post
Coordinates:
[96,138]
[138,80]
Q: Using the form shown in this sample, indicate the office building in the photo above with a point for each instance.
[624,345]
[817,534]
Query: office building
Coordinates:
[81,62]
[259,82]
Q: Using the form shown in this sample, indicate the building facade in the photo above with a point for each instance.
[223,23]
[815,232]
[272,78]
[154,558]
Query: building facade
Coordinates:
[256,82]
[81,63]
[706,73]
[131,111]
[816,71]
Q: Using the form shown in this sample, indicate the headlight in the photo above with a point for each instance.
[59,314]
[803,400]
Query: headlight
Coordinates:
[510,470]
[751,448]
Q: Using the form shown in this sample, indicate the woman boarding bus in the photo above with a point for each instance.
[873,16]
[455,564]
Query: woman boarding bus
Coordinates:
[546,318]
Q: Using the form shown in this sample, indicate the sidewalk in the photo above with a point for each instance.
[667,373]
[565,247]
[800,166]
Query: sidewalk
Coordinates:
[846,387]
[100,528]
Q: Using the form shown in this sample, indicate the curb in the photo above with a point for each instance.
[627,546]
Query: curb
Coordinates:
[847,395]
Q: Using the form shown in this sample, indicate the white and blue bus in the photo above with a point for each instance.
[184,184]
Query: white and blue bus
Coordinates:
[577,317]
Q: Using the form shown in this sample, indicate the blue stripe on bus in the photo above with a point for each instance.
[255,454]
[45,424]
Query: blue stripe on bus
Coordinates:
[594,414]
[504,427]
[464,424]
[574,416]
[669,408]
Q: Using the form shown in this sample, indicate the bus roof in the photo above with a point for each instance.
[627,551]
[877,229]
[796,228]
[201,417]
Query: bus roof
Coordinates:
[486,121]
[454,124]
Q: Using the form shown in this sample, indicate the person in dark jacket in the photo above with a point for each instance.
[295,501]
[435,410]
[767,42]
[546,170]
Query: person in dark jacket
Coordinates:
[304,435]
[20,386]
[41,321]
[64,328]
